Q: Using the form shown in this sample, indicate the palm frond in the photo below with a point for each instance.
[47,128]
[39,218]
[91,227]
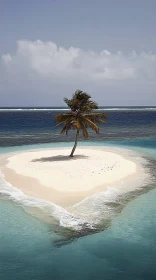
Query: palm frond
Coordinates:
[101,115]
[81,102]
[78,124]
[84,131]
[99,120]
[87,122]
[60,123]
[66,128]
[63,117]
[82,114]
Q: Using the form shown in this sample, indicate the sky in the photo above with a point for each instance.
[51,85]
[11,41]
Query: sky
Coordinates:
[50,48]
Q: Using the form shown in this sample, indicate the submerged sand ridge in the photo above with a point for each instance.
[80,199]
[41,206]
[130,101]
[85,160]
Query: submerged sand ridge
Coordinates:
[54,176]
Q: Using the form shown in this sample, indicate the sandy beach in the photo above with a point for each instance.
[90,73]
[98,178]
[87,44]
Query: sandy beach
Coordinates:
[54,176]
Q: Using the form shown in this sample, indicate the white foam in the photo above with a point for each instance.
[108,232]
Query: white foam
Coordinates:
[88,213]
[129,109]
[66,109]
[32,109]
[98,206]
[76,219]
[64,218]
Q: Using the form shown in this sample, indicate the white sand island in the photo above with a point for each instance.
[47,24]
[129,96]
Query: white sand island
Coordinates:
[54,176]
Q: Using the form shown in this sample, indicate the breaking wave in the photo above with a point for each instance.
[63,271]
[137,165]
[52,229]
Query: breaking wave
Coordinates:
[66,109]
[92,214]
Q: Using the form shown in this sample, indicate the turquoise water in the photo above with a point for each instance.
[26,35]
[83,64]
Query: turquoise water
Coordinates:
[126,250]
[122,246]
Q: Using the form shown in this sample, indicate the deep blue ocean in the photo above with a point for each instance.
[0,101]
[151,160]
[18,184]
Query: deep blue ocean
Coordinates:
[121,247]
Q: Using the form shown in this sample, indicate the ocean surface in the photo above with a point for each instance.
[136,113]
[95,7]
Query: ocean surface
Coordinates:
[40,240]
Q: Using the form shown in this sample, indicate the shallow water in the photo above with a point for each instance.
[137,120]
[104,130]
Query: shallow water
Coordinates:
[93,213]
[126,250]
[122,246]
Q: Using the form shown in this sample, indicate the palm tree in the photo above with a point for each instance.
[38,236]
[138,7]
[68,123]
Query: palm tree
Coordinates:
[81,116]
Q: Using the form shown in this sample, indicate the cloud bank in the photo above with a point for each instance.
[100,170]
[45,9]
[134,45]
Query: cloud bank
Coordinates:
[46,72]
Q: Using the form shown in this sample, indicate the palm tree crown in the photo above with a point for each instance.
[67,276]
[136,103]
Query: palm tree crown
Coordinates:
[81,116]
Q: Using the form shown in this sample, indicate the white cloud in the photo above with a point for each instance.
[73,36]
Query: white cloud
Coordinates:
[43,65]
[48,60]
[7,58]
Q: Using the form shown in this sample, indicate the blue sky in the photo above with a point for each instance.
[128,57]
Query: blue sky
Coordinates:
[50,48]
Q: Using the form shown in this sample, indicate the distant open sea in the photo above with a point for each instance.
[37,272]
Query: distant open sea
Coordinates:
[121,247]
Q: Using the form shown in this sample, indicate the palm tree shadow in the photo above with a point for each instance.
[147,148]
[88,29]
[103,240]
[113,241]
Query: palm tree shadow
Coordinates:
[59,158]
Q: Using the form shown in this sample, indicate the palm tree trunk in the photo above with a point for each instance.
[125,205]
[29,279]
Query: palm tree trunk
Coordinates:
[76,140]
